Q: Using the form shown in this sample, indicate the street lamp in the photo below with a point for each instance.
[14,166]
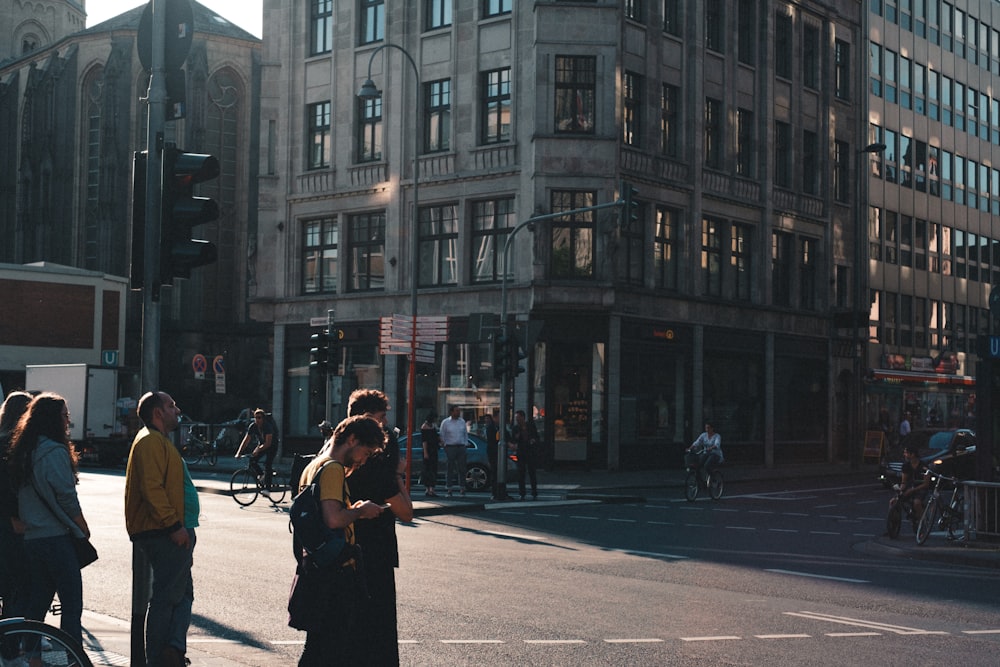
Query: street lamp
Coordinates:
[368,92]
[861,307]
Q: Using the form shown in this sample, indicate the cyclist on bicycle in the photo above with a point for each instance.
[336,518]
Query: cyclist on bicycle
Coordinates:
[916,482]
[708,450]
[261,436]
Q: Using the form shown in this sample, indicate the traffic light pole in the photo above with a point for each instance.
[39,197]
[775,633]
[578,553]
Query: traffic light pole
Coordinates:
[500,491]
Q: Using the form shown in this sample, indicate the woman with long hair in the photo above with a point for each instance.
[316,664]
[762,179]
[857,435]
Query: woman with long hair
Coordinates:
[13,565]
[43,469]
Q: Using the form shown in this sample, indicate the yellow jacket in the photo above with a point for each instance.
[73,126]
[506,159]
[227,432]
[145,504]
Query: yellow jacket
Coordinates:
[154,486]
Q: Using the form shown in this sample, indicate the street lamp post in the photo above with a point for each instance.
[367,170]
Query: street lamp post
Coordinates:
[861,307]
[370,91]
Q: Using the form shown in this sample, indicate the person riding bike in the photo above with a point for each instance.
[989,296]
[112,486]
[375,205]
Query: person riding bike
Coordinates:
[708,450]
[916,482]
[262,435]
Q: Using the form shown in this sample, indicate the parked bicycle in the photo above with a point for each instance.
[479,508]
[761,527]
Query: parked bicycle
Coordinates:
[900,508]
[196,448]
[27,642]
[943,512]
[248,483]
[695,481]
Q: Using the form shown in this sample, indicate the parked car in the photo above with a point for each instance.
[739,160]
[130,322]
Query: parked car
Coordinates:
[956,448]
[478,470]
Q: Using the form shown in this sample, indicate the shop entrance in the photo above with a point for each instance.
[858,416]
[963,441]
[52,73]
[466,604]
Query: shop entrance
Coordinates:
[569,401]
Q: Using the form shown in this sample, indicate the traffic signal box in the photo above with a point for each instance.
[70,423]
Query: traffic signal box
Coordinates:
[324,355]
[507,356]
[181,212]
[630,211]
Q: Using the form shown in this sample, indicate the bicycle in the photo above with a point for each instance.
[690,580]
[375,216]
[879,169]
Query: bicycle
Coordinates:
[941,514]
[246,484]
[27,642]
[900,508]
[694,481]
[197,448]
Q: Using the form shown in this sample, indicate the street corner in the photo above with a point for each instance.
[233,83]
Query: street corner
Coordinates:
[956,553]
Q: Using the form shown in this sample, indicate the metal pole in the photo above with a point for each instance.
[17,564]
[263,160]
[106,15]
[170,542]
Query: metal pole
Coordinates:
[414,250]
[327,376]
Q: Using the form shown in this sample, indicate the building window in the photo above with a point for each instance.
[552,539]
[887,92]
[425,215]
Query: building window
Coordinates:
[711,256]
[807,274]
[670,127]
[576,88]
[321,20]
[748,32]
[783,45]
[492,221]
[713,133]
[497,7]
[841,171]
[714,25]
[632,109]
[810,162]
[746,145]
[672,17]
[633,10]
[438,14]
[810,57]
[665,248]
[319,256]
[438,239]
[632,246]
[573,235]
[372,21]
[741,260]
[842,70]
[437,116]
[496,106]
[319,135]
[366,239]
[781,271]
[782,154]
[370,130]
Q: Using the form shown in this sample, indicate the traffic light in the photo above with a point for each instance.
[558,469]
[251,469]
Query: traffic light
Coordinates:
[319,354]
[630,209]
[517,355]
[137,266]
[181,211]
[501,355]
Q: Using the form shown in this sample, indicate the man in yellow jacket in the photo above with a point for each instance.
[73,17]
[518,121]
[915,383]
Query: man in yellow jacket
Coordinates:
[155,480]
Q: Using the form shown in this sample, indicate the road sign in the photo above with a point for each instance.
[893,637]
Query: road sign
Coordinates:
[219,365]
[199,364]
[109,358]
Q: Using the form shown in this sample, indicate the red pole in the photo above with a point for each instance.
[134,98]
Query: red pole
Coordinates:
[410,398]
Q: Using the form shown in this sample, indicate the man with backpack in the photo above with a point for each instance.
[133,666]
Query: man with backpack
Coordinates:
[324,599]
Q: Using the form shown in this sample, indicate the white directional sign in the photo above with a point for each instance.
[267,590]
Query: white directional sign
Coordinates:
[397,335]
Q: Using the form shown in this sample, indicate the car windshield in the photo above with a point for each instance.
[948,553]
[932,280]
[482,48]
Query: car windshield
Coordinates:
[940,441]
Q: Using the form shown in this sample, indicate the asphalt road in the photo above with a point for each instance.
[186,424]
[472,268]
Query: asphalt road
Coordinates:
[773,574]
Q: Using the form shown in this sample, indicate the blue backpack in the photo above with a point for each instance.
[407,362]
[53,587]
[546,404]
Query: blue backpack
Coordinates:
[316,544]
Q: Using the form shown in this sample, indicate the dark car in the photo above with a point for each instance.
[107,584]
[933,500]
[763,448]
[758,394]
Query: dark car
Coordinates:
[956,448]
[478,468]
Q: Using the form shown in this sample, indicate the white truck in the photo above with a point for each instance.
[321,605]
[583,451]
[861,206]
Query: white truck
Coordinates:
[101,422]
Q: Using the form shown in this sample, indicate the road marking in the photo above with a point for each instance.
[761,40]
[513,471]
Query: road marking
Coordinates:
[981,632]
[782,636]
[547,515]
[818,576]
[875,625]
[794,514]
[290,642]
[853,634]
[583,518]
[472,641]
[554,641]
[651,640]
[710,639]
[823,532]
[823,507]
[762,512]
[622,520]
[661,523]
[833,516]
[781,530]
[741,527]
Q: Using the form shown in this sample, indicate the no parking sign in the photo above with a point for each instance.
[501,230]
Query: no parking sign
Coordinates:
[199,364]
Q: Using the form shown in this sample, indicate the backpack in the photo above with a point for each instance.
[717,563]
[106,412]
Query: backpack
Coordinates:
[322,546]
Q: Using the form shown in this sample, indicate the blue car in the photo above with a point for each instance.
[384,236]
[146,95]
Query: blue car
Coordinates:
[478,467]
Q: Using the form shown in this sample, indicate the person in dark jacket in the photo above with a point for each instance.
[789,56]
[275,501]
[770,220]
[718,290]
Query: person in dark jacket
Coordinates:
[13,564]
[380,480]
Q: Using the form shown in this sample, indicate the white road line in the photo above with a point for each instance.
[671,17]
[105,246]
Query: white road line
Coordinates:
[823,532]
[981,632]
[781,530]
[293,642]
[762,512]
[651,640]
[794,514]
[782,636]
[833,516]
[547,515]
[622,520]
[853,634]
[583,518]
[823,507]
[860,622]
[709,639]
[554,641]
[472,641]
[741,528]
[661,523]
[723,509]
[409,641]
[818,576]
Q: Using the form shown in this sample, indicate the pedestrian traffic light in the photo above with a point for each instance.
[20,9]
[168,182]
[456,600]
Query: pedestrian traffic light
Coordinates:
[501,356]
[319,354]
[630,209]
[181,211]
[137,266]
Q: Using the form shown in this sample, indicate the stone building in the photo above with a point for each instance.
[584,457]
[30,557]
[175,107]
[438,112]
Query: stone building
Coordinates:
[71,116]
[736,122]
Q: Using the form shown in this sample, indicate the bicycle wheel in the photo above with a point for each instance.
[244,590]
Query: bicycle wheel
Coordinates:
[928,521]
[243,487]
[191,452]
[691,486]
[213,455]
[715,484]
[278,489]
[25,642]
[893,521]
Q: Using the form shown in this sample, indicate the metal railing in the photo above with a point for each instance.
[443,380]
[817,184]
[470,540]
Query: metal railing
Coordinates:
[982,510]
